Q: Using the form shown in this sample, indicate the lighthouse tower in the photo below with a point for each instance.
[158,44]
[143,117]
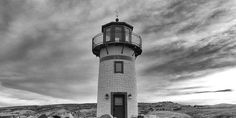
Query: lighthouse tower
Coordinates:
[117,48]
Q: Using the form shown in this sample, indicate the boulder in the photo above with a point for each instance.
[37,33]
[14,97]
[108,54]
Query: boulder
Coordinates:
[106,116]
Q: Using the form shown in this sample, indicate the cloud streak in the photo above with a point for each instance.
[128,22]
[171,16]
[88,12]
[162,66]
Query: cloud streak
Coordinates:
[200,92]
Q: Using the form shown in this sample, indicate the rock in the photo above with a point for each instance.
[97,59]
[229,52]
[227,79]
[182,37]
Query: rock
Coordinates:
[169,114]
[43,116]
[106,116]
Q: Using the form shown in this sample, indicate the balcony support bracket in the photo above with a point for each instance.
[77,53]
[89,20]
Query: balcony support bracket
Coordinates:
[122,50]
[107,50]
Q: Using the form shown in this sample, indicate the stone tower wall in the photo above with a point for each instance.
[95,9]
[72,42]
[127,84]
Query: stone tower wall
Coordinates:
[109,81]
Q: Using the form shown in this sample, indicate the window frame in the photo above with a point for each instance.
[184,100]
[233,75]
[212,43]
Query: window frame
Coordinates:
[122,67]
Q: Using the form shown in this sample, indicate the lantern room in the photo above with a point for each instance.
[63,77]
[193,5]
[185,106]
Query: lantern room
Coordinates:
[117,33]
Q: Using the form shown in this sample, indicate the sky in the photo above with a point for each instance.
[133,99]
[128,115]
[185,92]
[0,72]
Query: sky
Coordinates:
[189,50]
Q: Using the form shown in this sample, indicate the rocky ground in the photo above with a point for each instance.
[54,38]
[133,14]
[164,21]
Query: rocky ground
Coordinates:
[161,109]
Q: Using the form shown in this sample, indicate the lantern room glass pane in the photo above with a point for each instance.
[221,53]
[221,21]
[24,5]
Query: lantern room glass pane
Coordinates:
[108,34]
[127,34]
[117,34]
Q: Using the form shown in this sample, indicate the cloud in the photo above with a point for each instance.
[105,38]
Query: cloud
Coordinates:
[185,40]
[10,97]
[44,55]
[225,90]
[189,88]
[208,55]
[46,45]
[200,92]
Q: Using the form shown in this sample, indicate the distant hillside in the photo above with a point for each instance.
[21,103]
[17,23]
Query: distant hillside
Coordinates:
[84,110]
[164,109]
[196,111]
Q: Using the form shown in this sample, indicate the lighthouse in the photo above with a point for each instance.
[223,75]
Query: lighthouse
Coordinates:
[117,48]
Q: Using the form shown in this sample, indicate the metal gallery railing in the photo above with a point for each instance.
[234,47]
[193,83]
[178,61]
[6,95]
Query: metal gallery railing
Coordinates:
[134,39]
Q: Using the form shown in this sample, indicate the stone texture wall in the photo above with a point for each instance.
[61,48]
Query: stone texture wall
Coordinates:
[116,82]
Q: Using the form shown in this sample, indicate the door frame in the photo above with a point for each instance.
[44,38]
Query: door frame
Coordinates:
[125,101]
